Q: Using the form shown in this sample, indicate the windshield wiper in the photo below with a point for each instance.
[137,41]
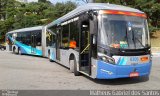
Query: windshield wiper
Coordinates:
[139,42]
[133,38]
[127,37]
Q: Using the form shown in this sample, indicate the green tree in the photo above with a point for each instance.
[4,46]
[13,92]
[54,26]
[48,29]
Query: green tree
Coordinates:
[8,10]
[61,9]
[16,15]
[150,7]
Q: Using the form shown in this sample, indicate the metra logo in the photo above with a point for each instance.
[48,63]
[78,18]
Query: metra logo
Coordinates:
[134,59]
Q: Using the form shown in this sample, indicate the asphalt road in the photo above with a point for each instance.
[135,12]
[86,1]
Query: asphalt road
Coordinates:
[23,72]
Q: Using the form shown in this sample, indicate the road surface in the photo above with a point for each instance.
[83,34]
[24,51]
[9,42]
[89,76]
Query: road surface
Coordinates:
[23,72]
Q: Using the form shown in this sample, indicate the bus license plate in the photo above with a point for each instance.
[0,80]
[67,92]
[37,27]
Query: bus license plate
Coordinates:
[134,74]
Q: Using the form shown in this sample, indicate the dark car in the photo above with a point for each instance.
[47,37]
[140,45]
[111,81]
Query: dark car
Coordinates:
[2,47]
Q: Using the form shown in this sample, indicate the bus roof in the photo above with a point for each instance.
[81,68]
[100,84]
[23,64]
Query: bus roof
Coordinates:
[27,29]
[92,6]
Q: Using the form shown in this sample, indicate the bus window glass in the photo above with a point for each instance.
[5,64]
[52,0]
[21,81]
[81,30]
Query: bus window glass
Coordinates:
[65,36]
[51,37]
[14,35]
[125,32]
[74,34]
[27,38]
[38,37]
[19,37]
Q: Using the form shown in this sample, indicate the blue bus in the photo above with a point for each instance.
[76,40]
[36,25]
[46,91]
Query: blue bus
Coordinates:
[102,41]
[26,41]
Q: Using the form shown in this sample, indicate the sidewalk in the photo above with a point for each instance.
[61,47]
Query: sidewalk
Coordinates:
[155,51]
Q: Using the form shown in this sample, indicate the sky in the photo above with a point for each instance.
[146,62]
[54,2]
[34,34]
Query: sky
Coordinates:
[79,2]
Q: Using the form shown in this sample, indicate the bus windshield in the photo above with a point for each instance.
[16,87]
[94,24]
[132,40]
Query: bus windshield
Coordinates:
[124,32]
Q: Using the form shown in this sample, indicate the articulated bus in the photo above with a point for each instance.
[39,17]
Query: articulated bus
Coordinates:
[26,41]
[102,41]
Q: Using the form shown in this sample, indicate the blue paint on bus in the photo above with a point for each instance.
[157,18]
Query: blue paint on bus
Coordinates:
[25,49]
[110,71]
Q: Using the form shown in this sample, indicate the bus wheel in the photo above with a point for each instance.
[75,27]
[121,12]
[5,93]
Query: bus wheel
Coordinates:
[19,51]
[76,73]
[71,65]
[14,50]
[2,49]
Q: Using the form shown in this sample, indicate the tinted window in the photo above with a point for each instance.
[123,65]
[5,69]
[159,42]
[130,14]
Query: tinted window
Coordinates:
[65,36]
[51,37]
[74,32]
[24,37]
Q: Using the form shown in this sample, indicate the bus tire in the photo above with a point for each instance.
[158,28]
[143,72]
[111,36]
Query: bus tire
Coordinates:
[14,50]
[76,73]
[2,49]
[71,65]
[19,51]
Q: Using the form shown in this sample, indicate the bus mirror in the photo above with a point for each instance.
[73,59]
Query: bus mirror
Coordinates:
[93,26]
[94,39]
[91,14]
[91,17]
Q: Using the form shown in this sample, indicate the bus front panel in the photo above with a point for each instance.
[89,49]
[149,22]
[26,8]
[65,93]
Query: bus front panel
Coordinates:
[123,45]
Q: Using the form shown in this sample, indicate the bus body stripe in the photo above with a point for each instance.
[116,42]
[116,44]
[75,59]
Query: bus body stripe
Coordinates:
[25,48]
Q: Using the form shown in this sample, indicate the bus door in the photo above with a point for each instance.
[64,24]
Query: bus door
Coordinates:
[84,53]
[36,40]
[33,43]
[58,42]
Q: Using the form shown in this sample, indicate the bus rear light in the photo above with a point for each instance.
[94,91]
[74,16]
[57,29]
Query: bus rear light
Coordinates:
[144,59]
[117,12]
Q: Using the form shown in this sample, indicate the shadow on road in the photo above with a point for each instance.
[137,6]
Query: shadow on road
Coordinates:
[120,81]
[30,55]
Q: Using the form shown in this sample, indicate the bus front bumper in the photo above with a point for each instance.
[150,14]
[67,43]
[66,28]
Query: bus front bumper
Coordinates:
[110,71]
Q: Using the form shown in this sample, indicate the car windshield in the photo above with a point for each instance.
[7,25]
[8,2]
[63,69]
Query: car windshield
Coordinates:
[124,32]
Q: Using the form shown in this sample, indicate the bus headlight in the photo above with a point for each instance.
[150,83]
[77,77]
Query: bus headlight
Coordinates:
[106,58]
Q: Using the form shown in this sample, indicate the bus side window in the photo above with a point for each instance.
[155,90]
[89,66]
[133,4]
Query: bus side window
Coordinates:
[51,37]
[74,35]
[38,38]
[65,36]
